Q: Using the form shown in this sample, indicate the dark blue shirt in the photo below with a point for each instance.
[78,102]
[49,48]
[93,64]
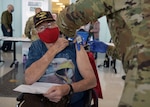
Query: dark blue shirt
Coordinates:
[63,69]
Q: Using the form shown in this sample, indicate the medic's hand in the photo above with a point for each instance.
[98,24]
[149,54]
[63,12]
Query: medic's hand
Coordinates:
[79,41]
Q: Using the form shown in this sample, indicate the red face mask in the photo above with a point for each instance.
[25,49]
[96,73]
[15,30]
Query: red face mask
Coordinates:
[49,35]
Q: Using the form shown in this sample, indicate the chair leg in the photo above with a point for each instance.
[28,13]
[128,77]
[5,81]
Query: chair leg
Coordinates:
[95,99]
[113,63]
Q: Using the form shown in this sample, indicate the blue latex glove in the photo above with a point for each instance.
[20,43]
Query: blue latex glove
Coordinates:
[98,46]
[84,35]
[79,42]
[81,38]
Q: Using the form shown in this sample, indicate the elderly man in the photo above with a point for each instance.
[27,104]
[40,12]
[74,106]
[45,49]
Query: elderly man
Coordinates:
[129,22]
[6,21]
[52,59]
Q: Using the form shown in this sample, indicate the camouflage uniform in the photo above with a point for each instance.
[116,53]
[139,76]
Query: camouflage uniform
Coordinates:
[129,23]
[30,30]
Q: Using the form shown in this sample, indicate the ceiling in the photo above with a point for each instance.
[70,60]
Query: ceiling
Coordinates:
[57,8]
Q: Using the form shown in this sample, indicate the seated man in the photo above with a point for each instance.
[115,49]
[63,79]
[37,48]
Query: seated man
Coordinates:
[53,59]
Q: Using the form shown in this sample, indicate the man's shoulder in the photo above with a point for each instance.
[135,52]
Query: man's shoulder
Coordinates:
[37,43]
[30,18]
[38,46]
[30,21]
[5,12]
[71,46]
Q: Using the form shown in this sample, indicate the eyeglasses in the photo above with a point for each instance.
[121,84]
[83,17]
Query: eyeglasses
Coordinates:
[44,26]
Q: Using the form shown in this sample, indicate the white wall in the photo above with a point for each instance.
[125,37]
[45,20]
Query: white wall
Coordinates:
[72,1]
[104,34]
[27,7]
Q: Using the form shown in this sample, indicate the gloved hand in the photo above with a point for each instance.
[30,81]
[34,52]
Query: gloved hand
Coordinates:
[79,41]
[98,46]
[84,35]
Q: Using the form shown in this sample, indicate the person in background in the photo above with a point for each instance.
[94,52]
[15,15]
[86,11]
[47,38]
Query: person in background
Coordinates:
[95,31]
[30,30]
[6,26]
[86,27]
[54,59]
[129,25]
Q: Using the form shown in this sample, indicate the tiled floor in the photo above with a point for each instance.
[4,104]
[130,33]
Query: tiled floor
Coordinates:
[111,83]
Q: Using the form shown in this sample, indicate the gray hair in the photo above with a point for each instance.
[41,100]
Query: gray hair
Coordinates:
[10,6]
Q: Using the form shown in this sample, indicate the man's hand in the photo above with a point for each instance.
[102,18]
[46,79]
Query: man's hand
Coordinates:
[8,30]
[55,93]
[59,45]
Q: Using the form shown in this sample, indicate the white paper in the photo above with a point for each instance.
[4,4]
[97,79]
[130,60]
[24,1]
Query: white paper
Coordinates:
[36,88]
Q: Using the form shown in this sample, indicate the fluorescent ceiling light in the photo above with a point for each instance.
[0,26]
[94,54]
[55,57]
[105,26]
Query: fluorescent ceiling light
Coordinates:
[59,3]
[63,6]
[55,0]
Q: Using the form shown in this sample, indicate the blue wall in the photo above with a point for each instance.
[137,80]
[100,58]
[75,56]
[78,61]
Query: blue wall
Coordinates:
[17,18]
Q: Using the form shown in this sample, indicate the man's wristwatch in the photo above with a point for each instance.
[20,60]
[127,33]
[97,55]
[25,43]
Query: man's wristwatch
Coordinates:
[71,91]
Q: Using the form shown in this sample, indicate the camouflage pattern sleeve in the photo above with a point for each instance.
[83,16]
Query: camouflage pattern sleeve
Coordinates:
[28,27]
[129,23]
[80,13]
[133,39]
